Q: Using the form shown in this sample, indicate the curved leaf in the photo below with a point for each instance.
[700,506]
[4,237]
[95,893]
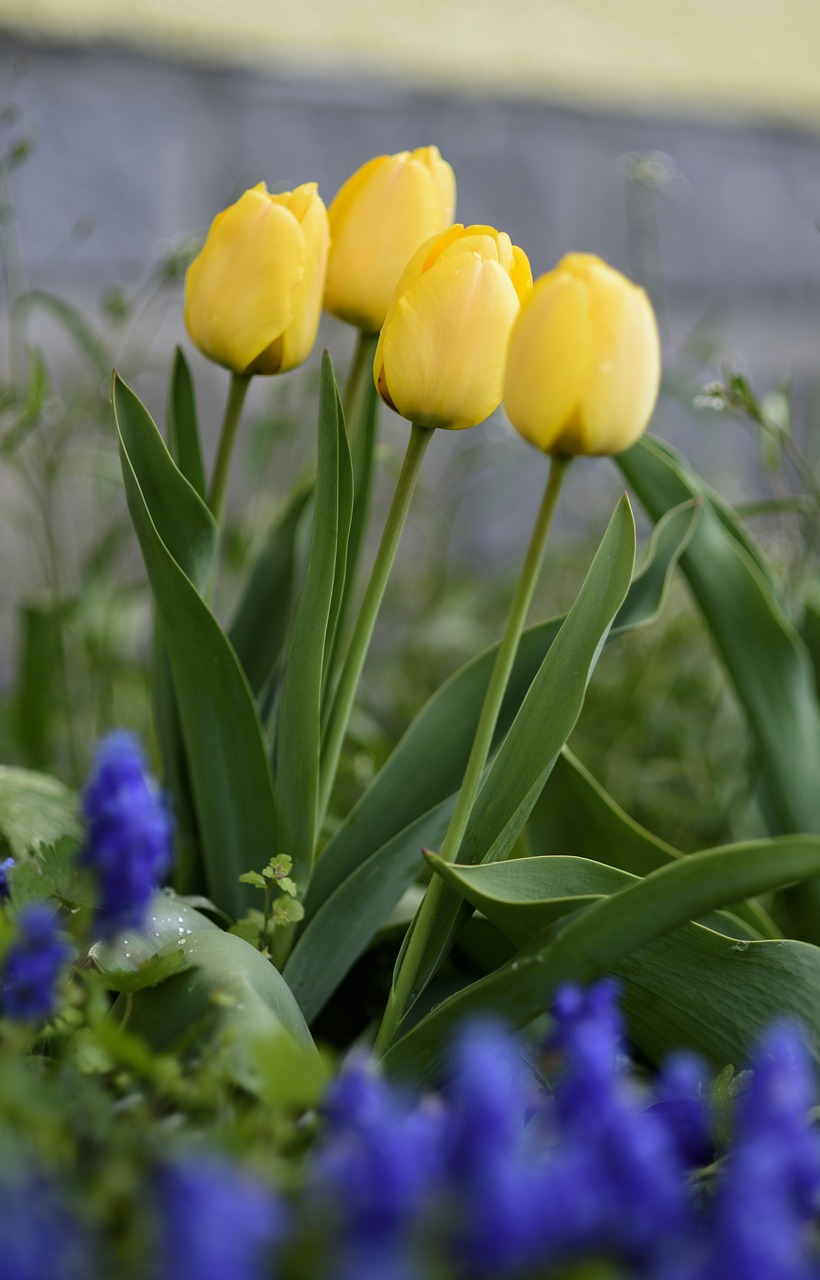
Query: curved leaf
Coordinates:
[574,814]
[225,749]
[764,655]
[608,932]
[523,897]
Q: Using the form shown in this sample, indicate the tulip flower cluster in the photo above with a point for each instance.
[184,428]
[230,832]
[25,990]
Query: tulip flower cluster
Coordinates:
[577,357]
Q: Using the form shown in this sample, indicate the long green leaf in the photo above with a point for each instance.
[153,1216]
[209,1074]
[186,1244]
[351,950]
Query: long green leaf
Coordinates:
[183,429]
[340,578]
[184,447]
[299,735]
[606,933]
[429,762]
[764,655]
[230,774]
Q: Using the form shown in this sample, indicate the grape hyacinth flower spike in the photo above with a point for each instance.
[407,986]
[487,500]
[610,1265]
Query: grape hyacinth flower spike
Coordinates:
[129,831]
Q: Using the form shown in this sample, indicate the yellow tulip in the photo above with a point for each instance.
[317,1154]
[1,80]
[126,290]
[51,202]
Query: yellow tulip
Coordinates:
[253,295]
[583,365]
[440,357]
[377,221]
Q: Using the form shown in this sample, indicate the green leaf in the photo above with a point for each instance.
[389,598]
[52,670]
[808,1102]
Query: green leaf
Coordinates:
[765,657]
[230,996]
[225,748]
[522,897]
[36,810]
[574,812]
[262,618]
[346,923]
[183,430]
[428,764]
[298,743]
[608,932]
[693,988]
[184,447]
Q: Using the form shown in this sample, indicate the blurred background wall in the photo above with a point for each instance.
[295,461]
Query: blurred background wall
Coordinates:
[679,141]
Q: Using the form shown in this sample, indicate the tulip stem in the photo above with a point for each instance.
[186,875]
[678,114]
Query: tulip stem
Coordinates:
[360,639]
[233,411]
[407,985]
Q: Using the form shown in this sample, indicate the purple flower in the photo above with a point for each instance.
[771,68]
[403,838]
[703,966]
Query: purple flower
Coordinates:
[216,1222]
[32,965]
[128,846]
[621,1177]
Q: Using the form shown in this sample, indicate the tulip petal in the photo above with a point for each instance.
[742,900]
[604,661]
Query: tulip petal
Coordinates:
[306,298]
[377,221]
[238,291]
[547,364]
[443,348]
[624,368]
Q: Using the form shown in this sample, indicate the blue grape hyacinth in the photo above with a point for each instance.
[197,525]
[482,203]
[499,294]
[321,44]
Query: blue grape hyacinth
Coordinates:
[129,831]
[32,966]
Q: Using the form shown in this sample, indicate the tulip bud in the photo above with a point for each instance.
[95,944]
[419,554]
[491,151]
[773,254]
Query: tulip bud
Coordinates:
[377,221]
[440,358]
[253,294]
[583,365]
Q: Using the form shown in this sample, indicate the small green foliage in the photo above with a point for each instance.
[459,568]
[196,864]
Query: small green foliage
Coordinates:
[258,927]
[254,878]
